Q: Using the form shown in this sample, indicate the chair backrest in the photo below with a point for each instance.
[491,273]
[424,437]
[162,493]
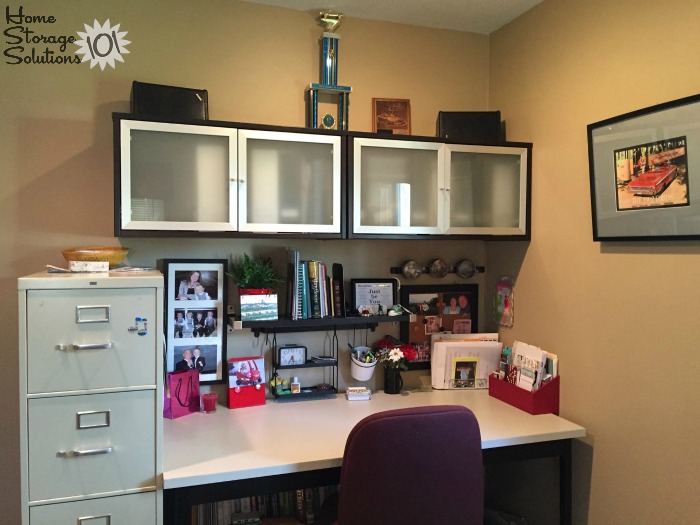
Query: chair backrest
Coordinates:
[410,466]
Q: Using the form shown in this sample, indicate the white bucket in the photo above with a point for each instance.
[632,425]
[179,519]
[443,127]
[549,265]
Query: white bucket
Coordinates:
[361,371]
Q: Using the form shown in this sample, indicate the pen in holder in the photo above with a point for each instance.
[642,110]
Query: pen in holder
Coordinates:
[362,363]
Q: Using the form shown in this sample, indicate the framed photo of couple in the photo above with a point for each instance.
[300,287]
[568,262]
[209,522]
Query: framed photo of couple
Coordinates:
[195,323]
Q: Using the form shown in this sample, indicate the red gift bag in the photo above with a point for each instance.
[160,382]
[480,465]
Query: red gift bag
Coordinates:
[181,393]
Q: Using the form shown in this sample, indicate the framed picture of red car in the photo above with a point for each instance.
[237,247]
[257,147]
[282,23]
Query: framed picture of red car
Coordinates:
[645,173]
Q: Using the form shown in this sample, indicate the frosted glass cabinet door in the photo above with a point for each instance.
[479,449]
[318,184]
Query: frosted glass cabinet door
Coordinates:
[177,177]
[487,188]
[397,187]
[289,182]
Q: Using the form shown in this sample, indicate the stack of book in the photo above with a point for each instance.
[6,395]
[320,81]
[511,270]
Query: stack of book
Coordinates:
[301,506]
[313,291]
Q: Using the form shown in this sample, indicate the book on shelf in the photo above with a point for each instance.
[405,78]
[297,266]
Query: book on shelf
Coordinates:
[314,290]
[338,290]
[294,284]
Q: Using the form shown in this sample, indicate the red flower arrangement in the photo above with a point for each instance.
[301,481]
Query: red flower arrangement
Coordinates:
[392,355]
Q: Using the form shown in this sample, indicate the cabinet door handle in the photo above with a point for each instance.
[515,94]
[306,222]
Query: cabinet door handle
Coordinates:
[80,453]
[92,346]
[106,517]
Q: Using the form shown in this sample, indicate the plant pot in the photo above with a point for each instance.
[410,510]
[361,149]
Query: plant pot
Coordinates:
[254,291]
[392,381]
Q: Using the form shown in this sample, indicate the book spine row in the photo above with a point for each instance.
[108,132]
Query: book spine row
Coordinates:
[313,291]
[304,505]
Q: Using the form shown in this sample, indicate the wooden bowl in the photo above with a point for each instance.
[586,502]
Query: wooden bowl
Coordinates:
[111,254]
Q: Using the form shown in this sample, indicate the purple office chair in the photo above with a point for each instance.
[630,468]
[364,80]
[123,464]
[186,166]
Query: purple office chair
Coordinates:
[410,466]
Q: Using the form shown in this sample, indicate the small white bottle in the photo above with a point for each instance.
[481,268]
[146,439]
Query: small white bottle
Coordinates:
[295,386]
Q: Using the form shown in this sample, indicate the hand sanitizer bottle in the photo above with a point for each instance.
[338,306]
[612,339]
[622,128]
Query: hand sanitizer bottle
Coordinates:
[296,386]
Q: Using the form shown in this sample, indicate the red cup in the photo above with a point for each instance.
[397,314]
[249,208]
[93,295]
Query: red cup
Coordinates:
[209,402]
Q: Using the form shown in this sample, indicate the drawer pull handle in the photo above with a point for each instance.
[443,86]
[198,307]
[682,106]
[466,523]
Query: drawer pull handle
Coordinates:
[94,346]
[106,517]
[80,453]
[82,314]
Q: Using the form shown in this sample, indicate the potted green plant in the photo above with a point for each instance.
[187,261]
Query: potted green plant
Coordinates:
[254,275]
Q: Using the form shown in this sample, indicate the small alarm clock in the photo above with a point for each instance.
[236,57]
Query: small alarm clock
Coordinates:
[291,355]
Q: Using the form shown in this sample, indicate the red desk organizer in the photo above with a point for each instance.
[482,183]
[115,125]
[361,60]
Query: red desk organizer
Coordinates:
[247,396]
[542,401]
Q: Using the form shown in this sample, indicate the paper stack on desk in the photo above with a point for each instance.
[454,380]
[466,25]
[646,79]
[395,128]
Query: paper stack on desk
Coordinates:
[531,364]
[463,364]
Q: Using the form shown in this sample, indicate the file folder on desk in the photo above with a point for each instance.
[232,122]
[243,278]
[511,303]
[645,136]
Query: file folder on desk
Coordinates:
[463,364]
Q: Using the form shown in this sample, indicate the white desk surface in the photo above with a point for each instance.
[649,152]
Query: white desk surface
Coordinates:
[281,438]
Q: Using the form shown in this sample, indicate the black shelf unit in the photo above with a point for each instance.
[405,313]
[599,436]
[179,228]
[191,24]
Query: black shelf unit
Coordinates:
[317,325]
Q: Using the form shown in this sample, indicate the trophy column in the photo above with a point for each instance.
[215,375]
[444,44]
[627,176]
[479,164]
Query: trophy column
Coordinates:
[330,43]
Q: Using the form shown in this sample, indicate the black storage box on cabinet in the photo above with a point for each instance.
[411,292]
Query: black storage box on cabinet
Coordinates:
[471,127]
[157,100]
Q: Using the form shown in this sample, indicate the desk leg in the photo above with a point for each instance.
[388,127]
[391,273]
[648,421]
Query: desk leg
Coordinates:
[565,484]
[177,509]
[560,449]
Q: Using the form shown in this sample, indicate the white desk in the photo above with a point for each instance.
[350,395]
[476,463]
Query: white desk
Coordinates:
[286,441]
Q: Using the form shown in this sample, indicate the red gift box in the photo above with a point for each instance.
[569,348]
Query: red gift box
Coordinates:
[545,400]
[246,383]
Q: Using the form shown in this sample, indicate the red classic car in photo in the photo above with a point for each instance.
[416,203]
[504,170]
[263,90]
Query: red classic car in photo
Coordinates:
[651,183]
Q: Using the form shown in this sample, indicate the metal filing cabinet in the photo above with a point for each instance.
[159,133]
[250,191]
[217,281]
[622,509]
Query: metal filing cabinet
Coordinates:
[91,398]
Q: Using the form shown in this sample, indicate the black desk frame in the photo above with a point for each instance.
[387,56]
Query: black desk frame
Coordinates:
[178,502]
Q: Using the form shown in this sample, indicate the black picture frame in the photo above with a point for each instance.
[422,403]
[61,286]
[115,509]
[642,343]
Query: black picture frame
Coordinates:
[643,171]
[376,296]
[430,304]
[181,305]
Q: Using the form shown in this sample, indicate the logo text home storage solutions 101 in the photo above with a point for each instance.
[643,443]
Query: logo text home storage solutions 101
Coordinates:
[30,38]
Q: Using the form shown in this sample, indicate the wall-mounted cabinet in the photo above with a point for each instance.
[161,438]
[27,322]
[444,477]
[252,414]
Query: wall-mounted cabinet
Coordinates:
[224,179]
[414,187]
[289,182]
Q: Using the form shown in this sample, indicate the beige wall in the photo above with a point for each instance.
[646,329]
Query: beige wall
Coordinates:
[56,138]
[621,316]
[551,72]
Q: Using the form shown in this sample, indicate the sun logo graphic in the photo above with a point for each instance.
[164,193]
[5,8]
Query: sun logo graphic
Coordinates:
[102,44]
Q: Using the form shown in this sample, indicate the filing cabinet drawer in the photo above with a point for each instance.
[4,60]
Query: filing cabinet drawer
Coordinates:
[88,339]
[133,509]
[91,444]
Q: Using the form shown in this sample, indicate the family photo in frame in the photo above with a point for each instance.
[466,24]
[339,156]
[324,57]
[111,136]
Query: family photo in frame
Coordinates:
[195,326]
[448,308]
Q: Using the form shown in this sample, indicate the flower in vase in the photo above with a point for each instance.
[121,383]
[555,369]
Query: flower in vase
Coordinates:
[395,356]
